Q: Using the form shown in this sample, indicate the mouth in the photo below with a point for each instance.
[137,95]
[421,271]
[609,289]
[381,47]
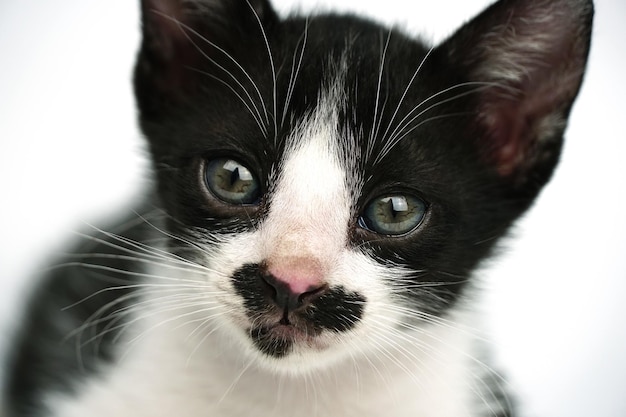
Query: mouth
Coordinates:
[279,339]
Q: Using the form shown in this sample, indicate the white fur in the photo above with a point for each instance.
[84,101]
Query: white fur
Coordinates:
[196,359]
[159,377]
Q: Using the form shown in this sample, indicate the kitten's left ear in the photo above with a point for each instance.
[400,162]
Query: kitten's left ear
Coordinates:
[183,38]
[531,55]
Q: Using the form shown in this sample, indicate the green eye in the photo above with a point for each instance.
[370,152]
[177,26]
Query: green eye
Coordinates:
[232,182]
[393,215]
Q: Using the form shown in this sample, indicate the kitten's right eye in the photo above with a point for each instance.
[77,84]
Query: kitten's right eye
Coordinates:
[232,182]
[393,215]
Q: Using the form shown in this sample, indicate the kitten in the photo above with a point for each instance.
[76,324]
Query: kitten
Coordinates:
[324,189]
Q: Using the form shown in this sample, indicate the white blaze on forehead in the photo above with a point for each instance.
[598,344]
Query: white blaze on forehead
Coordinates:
[310,209]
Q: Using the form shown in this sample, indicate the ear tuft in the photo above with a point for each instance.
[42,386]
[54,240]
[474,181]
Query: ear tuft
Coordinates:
[531,55]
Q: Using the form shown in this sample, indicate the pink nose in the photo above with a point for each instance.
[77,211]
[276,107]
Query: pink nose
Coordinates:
[294,283]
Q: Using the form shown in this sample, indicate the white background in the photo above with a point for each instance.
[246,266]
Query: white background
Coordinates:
[70,153]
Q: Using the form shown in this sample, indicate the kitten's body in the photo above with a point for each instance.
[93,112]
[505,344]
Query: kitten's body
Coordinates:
[325,188]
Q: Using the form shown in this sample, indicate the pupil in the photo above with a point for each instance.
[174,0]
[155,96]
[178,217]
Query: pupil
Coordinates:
[234,176]
[396,206]
[231,182]
[391,208]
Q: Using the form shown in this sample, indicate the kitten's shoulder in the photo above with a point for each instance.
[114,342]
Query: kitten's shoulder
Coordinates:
[68,324]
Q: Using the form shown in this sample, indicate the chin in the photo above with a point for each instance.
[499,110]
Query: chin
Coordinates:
[288,350]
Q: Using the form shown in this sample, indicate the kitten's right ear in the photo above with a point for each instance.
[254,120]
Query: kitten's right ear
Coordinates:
[182,38]
[530,57]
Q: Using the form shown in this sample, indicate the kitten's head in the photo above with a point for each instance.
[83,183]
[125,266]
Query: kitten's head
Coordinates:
[339,180]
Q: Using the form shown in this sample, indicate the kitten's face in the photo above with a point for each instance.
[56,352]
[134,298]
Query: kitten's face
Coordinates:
[338,181]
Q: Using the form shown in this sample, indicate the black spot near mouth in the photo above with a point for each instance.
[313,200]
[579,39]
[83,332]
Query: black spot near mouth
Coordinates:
[248,285]
[337,310]
[271,346]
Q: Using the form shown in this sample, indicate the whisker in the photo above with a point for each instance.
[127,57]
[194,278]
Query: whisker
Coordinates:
[195,311]
[272,67]
[175,237]
[148,297]
[407,116]
[235,381]
[147,250]
[107,268]
[378,119]
[293,76]
[422,344]
[395,139]
[186,28]
[174,265]
[256,118]
[406,90]
[176,287]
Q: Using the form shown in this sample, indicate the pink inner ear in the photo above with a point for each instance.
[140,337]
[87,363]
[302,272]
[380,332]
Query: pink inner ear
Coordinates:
[504,129]
[532,55]
[518,127]
[526,110]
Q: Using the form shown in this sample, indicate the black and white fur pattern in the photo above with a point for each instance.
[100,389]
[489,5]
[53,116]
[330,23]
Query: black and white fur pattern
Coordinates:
[290,304]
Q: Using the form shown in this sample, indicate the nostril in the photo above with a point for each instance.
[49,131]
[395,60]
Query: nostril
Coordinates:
[308,296]
[277,291]
[286,296]
[269,286]
[293,283]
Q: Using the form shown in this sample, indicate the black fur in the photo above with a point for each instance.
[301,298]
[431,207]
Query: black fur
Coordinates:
[454,156]
[67,333]
[335,309]
[449,160]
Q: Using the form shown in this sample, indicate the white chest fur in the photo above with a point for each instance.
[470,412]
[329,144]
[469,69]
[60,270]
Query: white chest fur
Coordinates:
[166,373]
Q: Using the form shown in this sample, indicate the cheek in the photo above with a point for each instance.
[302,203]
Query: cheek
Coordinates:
[359,272]
[227,255]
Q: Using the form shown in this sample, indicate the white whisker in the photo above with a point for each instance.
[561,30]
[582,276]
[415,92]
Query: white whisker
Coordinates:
[397,134]
[294,74]
[272,67]
[378,118]
[185,28]
[406,90]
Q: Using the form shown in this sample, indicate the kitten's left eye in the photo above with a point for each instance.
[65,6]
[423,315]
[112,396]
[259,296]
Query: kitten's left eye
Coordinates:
[393,215]
[232,182]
